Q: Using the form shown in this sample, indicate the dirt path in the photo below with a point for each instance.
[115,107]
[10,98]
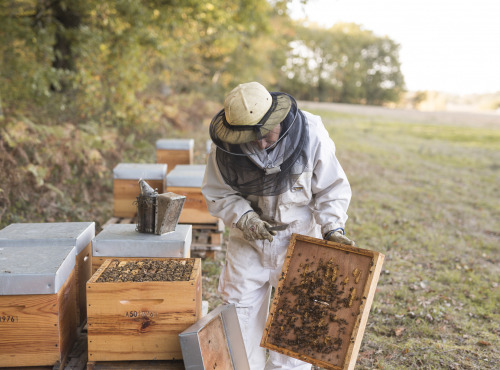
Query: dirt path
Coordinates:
[486,120]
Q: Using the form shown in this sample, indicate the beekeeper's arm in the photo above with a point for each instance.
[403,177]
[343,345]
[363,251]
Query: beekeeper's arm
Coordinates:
[227,204]
[331,189]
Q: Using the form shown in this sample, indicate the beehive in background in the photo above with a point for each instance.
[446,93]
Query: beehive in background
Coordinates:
[186,180]
[322,302]
[126,178]
[123,241]
[141,319]
[174,152]
[37,304]
[78,234]
[208,147]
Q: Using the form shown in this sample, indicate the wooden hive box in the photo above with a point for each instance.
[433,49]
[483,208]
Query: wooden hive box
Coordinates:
[126,178]
[122,241]
[78,234]
[186,180]
[141,320]
[215,341]
[174,152]
[37,305]
[323,299]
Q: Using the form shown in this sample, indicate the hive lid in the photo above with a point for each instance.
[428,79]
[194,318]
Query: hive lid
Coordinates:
[78,234]
[175,144]
[195,346]
[122,240]
[38,269]
[136,171]
[186,175]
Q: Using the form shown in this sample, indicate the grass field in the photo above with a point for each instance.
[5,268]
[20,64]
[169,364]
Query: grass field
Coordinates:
[427,195]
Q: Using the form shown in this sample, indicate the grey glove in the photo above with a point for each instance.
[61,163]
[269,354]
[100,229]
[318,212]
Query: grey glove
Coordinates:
[254,228]
[339,237]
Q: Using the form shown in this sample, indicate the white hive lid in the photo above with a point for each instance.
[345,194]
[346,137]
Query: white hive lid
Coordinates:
[78,234]
[122,240]
[175,144]
[136,171]
[35,269]
[186,175]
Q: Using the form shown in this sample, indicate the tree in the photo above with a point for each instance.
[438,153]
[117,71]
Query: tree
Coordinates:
[88,58]
[344,64]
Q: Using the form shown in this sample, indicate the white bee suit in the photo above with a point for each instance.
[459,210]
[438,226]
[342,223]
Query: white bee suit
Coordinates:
[316,204]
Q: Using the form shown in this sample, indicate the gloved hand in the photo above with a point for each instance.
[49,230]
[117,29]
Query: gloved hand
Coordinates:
[339,237]
[254,228]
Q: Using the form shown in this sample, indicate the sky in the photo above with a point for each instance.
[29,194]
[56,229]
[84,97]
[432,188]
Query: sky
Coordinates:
[451,46]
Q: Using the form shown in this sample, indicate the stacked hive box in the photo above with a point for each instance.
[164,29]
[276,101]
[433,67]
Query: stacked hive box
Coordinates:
[77,234]
[186,180]
[207,230]
[122,241]
[126,185]
[37,304]
[141,319]
[174,152]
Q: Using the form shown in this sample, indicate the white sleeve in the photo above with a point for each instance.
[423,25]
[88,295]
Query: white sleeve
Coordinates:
[330,187]
[222,201]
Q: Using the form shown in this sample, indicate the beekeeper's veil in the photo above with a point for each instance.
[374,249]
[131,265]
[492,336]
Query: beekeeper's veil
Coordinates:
[250,113]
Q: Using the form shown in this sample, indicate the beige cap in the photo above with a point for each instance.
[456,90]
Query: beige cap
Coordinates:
[247,104]
[249,113]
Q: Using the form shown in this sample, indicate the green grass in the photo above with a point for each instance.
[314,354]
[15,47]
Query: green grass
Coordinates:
[426,196]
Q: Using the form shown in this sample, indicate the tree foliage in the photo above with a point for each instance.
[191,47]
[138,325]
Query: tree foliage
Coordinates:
[344,64]
[85,85]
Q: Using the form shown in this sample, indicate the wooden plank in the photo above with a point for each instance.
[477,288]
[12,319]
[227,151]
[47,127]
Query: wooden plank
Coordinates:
[322,302]
[215,349]
[83,272]
[112,220]
[41,328]
[141,320]
[136,365]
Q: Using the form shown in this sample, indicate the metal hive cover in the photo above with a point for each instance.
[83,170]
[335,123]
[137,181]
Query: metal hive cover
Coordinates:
[175,144]
[35,269]
[122,240]
[136,171]
[190,176]
[78,234]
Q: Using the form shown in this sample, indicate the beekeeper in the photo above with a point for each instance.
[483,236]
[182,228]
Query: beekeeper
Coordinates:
[271,164]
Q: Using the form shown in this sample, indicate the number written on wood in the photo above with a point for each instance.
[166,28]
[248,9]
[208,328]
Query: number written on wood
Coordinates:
[7,319]
[141,314]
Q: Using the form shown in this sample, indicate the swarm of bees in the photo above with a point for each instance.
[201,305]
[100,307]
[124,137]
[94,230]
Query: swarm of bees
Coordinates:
[147,270]
[308,317]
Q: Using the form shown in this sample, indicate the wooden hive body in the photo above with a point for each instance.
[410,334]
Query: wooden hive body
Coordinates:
[126,178]
[58,233]
[322,302]
[186,180]
[141,320]
[174,152]
[37,306]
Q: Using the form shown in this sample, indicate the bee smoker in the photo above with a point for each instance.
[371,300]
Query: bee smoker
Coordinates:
[157,213]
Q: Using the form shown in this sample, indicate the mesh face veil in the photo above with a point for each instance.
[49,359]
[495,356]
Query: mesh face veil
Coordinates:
[250,170]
